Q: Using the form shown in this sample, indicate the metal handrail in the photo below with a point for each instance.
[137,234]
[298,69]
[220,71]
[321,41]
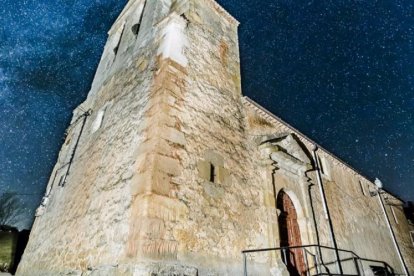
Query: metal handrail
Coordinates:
[293,247]
[355,257]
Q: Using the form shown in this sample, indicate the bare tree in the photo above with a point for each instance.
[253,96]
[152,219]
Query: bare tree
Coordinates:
[11,209]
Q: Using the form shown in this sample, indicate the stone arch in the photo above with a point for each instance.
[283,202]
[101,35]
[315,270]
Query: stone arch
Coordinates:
[295,200]
[302,217]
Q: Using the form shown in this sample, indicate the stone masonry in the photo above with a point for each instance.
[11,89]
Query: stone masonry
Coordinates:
[168,170]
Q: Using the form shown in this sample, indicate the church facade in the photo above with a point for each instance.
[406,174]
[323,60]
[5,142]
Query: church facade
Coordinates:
[168,170]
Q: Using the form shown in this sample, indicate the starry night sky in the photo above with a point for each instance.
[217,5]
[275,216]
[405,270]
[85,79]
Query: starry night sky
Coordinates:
[340,71]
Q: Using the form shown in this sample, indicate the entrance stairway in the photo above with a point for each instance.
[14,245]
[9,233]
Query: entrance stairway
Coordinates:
[318,260]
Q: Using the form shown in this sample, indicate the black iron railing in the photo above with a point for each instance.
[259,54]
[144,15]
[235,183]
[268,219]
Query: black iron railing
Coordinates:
[317,261]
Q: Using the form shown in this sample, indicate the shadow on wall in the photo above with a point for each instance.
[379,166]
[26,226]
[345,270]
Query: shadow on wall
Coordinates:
[12,245]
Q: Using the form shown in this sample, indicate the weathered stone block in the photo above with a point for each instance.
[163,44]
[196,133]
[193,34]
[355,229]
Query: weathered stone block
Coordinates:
[204,169]
[214,157]
[162,207]
[168,165]
[151,182]
[222,175]
[173,135]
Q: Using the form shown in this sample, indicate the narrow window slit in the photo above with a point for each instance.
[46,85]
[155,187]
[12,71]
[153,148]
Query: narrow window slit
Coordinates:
[136,27]
[116,49]
[61,181]
[212,173]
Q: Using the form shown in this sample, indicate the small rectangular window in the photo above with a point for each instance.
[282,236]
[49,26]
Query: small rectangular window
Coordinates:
[212,173]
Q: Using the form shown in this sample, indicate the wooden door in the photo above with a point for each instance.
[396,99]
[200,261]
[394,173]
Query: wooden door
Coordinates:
[290,235]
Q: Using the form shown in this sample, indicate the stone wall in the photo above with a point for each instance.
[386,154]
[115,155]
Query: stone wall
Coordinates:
[85,224]
[135,199]
[224,213]
[358,221]
[167,170]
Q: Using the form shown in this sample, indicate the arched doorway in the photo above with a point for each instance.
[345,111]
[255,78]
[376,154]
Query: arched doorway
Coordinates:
[290,235]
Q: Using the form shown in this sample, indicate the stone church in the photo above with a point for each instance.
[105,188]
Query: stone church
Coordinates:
[168,170]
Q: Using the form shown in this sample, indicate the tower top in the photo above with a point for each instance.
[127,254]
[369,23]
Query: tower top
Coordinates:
[211,3]
[222,11]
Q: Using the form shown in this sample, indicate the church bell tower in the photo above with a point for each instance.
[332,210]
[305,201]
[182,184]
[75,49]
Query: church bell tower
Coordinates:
[139,180]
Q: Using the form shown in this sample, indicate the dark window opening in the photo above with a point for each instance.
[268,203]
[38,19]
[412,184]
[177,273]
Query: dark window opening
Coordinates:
[116,49]
[212,173]
[61,180]
[135,29]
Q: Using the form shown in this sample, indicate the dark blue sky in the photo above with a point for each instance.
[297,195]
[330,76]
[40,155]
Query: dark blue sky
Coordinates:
[340,71]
